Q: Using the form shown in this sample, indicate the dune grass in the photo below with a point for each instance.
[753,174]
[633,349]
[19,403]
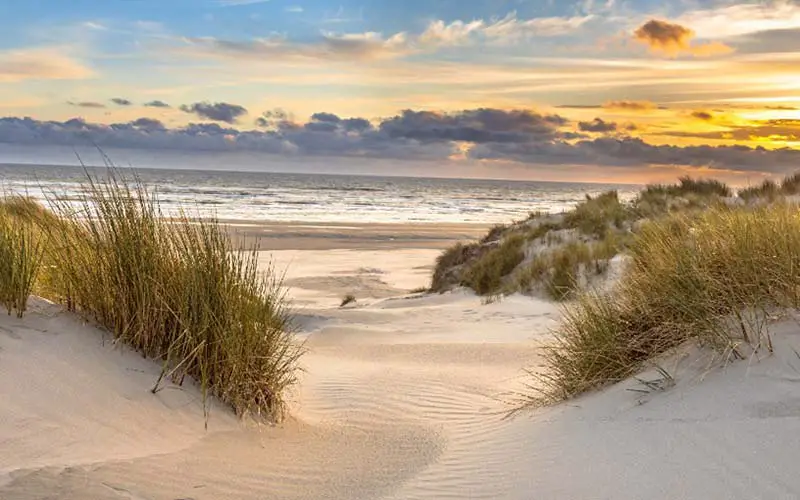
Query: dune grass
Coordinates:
[595,216]
[715,277]
[657,200]
[486,274]
[453,257]
[176,290]
[21,253]
[767,190]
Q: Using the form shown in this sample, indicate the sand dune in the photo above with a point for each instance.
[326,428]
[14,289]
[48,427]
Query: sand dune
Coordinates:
[403,397]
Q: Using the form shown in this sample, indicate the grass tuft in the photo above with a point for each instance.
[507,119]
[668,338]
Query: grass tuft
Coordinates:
[21,253]
[347,299]
[177,291]
[714,277]
[486,274]
[595,216]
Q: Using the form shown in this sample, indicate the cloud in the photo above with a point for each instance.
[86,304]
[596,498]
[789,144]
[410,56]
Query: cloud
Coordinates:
[86,104]
[477,126]
[374,45]
[40,64]
[739,19]
[275,118]
[510,28]
[331,46]
[296,9]
[774,130]
[156,104]
[522,137]
[616,105]
[634,152]
[597,125]
[702,115]
[148,124]
[631,105]
[119,101]
[218,111]
[579,106]
[674,39]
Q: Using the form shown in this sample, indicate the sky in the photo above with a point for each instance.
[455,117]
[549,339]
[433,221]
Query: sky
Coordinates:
[592,90]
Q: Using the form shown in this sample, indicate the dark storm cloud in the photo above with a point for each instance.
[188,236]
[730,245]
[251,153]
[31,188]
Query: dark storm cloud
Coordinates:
[634,152]
[521,136]
[218,111]
[87,104]
[597,125]
[119,101]
[156,104]
[478,126]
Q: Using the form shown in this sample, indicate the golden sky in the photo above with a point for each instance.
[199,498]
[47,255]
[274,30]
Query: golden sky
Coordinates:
[621,90]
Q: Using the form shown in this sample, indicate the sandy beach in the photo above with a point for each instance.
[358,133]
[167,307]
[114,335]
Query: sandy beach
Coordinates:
[403,396]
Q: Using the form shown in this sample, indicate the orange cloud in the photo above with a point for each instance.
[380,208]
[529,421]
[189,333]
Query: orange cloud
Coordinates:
[673,40]
[40,64]
[630,105]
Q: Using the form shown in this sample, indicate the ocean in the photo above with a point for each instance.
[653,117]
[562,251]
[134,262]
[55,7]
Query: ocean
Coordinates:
[262,196]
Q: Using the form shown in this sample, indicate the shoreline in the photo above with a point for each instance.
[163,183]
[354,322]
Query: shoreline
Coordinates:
[307,235]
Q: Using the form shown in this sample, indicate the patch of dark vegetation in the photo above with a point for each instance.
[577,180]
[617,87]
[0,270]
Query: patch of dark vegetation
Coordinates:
[486,274]
[447,272]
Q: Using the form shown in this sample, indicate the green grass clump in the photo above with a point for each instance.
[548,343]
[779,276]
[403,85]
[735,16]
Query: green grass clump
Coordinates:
[595,216]
[561,271]
[703,187]
[177,291]
[715,277]
[21,252]
[487,273]
[656,200]
[566,264]
[455,256]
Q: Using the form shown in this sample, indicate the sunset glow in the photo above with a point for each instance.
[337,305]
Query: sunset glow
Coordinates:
[616,87]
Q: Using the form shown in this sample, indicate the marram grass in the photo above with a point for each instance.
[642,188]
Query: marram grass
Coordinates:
[21,251]
[715,277]
[177,290]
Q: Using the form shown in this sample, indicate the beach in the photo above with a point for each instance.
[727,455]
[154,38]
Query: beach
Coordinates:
[402,396]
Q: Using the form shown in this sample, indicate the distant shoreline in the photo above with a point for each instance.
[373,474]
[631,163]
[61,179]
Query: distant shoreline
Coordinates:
[305,235]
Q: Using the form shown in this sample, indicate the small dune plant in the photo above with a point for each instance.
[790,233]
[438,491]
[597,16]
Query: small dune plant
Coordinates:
[347,299]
